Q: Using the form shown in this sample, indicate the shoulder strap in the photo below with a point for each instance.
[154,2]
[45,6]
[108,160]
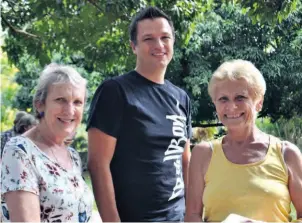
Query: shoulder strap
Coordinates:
[216,144]
[279,149]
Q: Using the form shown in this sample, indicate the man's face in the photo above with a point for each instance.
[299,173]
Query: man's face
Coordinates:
[154,47]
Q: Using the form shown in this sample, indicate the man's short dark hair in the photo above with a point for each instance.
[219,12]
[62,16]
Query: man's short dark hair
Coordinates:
[147,13]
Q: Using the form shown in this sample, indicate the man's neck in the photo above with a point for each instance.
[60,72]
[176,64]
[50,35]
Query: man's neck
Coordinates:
[156,76]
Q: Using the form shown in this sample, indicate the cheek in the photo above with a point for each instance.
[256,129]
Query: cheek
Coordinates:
[142,51]
[250,106]
[220,110]
[170,46]
[79,112]
[251,113]
[52,110]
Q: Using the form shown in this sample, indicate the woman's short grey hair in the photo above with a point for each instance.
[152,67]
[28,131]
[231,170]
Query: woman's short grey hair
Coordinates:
[236,70]
[55,74]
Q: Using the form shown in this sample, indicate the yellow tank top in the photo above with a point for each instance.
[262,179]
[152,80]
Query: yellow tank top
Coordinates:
[257,190]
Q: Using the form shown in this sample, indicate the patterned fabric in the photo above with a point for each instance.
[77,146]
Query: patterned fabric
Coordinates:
[63,194]
[5,136]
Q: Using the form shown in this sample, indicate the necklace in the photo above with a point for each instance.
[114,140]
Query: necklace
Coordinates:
[54,155]
[47,144]
[69,162]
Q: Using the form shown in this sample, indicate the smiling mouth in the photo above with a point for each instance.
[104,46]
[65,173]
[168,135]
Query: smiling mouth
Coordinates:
[66,120]
[158,54]
[233,116]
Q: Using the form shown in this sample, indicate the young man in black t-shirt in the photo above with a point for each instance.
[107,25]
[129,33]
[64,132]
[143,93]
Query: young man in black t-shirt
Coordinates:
[139,132]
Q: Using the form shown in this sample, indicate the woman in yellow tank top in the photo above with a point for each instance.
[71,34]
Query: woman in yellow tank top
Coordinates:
[247,172]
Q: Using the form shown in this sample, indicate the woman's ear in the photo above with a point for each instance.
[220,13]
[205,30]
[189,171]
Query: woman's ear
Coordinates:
[39,106]
[259,105]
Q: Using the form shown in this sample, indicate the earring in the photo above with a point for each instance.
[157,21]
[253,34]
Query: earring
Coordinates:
[41,114]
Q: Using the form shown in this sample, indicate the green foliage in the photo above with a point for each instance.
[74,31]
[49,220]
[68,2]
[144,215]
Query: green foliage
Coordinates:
[271,11]
[80,141]
[9,89]
[290,130]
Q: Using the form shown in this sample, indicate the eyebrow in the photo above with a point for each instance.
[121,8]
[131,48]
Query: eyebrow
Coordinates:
[166,33]
[242,94]
[222,97]
[147,35]
[150,35]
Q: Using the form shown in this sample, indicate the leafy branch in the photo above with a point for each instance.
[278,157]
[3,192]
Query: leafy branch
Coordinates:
[95,5]
[18,31]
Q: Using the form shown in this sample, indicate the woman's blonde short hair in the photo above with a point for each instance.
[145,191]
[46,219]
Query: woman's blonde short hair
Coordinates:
[55,74]
[238,70]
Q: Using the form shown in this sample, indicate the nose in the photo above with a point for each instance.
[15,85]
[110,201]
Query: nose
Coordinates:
[69,109]
[159,43]
[231,106]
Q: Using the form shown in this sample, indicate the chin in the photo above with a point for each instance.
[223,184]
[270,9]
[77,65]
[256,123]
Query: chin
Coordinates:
[159,66]
[67,132]
[164,62]
[234,125]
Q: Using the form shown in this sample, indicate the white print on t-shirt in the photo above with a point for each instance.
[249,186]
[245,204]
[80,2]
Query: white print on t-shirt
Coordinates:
[176,149]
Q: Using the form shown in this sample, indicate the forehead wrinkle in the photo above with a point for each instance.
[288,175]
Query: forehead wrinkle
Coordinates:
[232,87]
[66,90]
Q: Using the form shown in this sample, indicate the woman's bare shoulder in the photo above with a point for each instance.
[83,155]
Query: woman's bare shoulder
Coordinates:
[203,148]
[292,154]
[201,155]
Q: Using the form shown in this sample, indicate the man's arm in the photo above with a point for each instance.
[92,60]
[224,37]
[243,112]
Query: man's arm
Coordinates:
[187,150]
[101,148]
[293,160]
[185,163]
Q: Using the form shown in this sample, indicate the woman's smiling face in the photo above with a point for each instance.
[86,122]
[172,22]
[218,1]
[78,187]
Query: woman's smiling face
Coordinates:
[63,108]
[235,104]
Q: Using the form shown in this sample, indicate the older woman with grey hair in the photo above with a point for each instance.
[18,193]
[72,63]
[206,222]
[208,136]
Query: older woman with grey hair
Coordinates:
[41,176]
[247,175]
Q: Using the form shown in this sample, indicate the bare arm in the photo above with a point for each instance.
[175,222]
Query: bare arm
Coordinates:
[18,203]
[293,160]
[200,159]
[185,164]
[101,149]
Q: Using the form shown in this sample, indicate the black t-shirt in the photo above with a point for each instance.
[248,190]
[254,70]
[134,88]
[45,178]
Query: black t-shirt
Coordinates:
[151,123]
